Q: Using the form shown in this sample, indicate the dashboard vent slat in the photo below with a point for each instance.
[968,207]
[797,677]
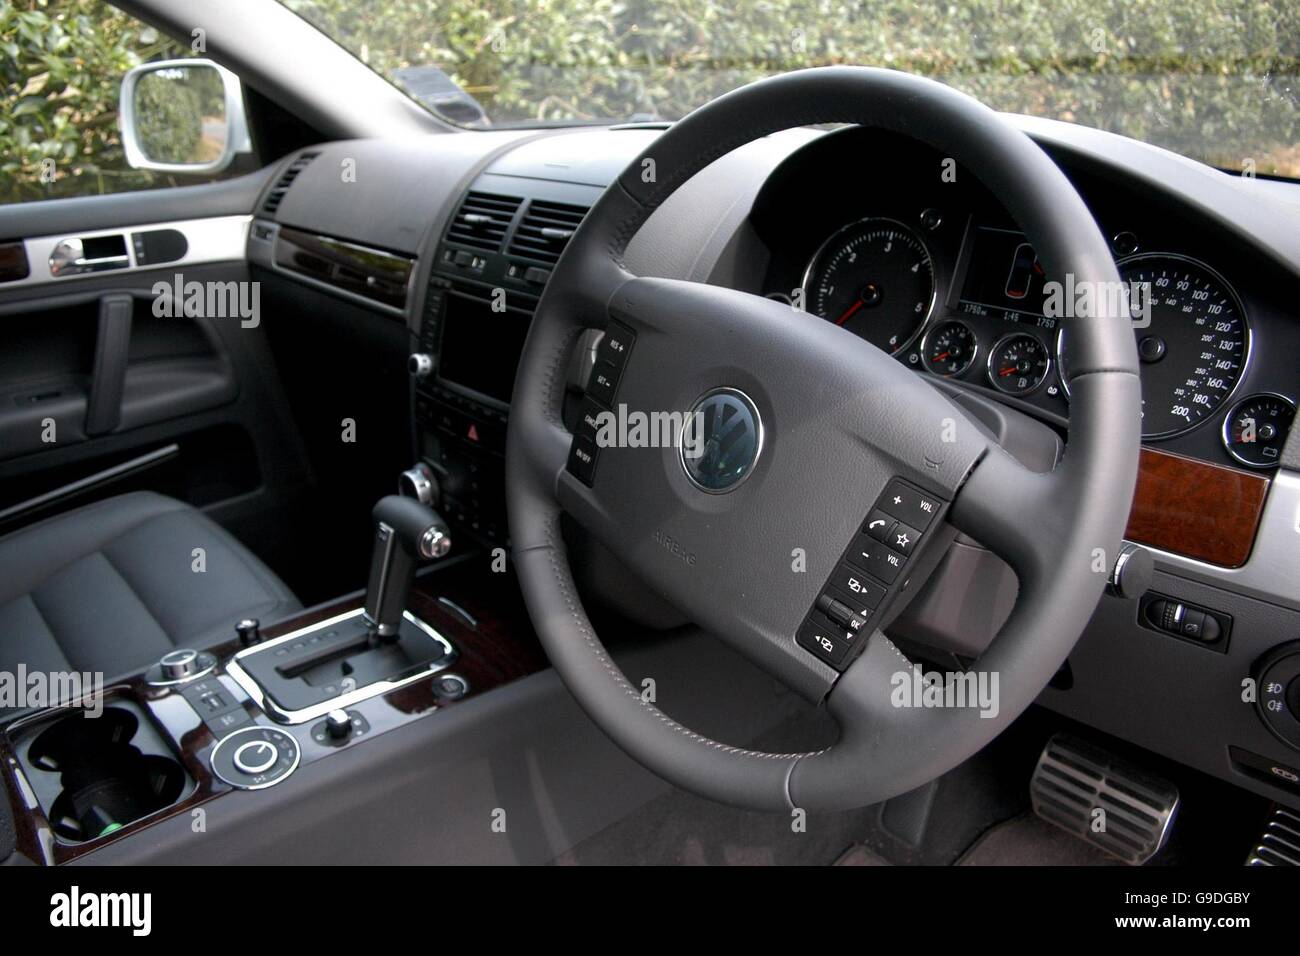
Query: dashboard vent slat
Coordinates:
[545,230]
[276,196]
[482,220]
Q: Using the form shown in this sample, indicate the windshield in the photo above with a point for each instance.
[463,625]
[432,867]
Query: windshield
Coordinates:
[1211,79]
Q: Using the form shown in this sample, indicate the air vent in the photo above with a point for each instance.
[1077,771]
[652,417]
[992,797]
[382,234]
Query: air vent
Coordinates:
[545,230]
[482,220]
[277,193]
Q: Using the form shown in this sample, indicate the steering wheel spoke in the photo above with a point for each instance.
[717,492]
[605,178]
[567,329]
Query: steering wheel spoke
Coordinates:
[1010,510]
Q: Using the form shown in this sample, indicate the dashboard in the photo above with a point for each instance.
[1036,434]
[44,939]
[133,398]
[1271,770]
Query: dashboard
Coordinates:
[933,271]
[456,238]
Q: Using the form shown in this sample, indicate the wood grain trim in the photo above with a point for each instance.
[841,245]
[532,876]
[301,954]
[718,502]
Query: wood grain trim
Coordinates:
[1202,511]
[371,273]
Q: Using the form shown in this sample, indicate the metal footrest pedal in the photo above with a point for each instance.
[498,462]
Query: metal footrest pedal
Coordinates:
[1279,844]
[1117,807]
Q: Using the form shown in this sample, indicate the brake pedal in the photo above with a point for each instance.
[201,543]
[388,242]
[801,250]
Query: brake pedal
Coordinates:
[1118,808]
[1279,844]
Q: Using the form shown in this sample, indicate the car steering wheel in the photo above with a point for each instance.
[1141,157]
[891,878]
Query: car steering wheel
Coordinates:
[829,422]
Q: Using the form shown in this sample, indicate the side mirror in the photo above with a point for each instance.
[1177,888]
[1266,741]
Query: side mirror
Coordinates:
[182,116]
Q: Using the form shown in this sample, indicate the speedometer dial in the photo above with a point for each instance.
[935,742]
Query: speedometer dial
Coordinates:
[1192,343]
[1194,349]
[874,278]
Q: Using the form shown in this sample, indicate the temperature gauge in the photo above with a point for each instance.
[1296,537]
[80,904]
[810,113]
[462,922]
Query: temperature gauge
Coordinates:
[1256,429]
[1019,363]
[949,348]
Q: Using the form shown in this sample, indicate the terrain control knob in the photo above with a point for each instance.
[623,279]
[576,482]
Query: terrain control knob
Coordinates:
[256,756]
[420,364]
[179,664]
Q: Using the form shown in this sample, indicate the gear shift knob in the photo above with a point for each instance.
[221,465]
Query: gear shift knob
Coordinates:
[405,532]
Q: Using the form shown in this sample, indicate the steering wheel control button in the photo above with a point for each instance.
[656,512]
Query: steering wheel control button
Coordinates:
[909,505]
[841,615]
[602,386]
[589,420]
[879,525]
[603,382]
[828,644]
[876,559]
[582,459]
[853,601]
[615,345]
[253,758]
[903,539]
[850,581]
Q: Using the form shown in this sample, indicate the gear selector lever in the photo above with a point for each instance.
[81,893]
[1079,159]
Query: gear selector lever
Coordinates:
[406,532]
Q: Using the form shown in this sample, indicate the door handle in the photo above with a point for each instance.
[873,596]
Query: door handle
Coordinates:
[69,257]
[108,380]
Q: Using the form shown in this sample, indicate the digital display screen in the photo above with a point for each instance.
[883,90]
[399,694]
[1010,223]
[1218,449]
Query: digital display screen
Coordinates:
[481,347]
[1004,278]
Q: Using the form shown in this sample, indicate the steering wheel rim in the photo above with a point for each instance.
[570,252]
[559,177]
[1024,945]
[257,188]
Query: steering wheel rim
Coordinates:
[1059,531]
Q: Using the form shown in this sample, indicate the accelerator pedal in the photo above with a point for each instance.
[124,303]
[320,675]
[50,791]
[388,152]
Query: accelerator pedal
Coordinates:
[1087,791]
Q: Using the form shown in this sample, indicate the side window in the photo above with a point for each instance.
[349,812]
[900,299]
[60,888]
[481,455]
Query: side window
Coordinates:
[61,122]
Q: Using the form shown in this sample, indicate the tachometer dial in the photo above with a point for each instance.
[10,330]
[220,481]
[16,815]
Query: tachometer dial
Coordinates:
[1256,429]
[1019,363]
[874,278]
[949,348]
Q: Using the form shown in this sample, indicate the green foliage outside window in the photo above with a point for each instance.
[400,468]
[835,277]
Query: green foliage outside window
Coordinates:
[1214,79]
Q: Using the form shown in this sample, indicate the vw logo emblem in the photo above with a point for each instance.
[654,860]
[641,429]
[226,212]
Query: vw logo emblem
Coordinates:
[723,440]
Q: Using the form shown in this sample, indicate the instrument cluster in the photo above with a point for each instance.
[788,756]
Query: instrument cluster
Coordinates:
[949,286]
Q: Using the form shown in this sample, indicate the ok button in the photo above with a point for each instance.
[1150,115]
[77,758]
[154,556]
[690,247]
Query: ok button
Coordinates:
[256,756]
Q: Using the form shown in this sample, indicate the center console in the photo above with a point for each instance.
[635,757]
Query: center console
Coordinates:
[196,726]
[490,267]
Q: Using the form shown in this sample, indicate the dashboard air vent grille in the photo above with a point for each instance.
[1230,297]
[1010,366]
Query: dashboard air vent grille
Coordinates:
[277,193]
[482,220]
[545,230]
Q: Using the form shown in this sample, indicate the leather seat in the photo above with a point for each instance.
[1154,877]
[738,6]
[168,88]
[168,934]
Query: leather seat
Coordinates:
[114,585]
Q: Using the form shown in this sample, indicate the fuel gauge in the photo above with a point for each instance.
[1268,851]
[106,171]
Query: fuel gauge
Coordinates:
[1019,363]
[1256,429]
[949,348]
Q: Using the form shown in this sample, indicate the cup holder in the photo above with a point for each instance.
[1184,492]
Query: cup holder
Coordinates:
[94,775]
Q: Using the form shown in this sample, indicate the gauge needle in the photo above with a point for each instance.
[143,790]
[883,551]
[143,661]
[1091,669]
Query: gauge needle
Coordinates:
[849,312]
[1004,372]
[941,356]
